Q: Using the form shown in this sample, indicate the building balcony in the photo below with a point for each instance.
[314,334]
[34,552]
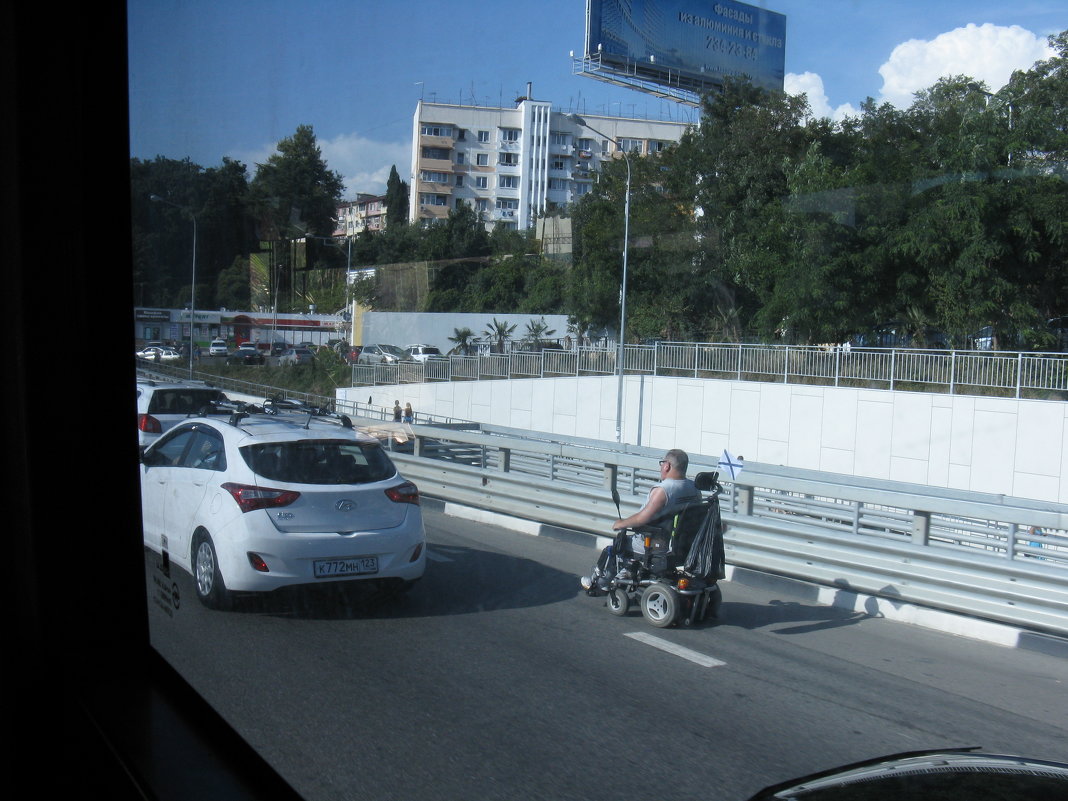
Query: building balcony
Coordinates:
[425,140]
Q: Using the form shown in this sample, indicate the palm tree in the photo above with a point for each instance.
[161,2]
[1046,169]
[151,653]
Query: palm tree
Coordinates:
[536,331]
[500,332]
[463,338]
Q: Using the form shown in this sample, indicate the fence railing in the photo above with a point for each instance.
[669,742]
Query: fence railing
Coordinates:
[1004,374]
[992,557]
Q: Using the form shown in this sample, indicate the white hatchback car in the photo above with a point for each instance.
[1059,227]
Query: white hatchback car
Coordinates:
[265,500]
[163,404]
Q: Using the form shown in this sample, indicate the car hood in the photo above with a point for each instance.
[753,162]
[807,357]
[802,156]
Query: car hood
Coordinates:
[957,773]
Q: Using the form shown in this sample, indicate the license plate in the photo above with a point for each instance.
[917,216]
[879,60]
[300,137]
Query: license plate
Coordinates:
[329,568]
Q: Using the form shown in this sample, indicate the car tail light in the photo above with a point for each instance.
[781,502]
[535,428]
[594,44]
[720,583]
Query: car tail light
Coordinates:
[257,563]
[415,554]
[404,493]
[149,424]
[252,498]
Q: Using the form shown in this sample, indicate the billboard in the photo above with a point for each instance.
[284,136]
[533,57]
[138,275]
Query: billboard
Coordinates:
[689,43]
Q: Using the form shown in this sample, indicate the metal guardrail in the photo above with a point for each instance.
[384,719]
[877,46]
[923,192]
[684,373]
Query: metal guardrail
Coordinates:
[952,371]
[988,556]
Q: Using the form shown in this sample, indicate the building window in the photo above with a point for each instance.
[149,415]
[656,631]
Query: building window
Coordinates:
[509,134]
[656,145]
[631,145]
[435,153]
[585,144]
[508,159]
[508,181]
[483,136]
[434,177]
[558,164]
[459,180]
[459,158]
[427,199]
[559,139]
[557,183]
[481,182]
[481,204]
[430,129]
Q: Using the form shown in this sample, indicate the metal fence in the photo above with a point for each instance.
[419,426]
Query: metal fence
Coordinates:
[992,557]
[1002,374]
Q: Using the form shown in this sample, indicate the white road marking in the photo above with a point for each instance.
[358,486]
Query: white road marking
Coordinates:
[677,650]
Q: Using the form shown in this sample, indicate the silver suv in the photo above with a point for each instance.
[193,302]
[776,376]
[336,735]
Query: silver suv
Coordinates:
[161,405]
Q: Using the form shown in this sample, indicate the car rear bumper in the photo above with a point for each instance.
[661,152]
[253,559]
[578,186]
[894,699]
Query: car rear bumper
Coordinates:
[290,558]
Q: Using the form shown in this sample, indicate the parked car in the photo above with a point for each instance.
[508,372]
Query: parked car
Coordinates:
[218,347]
[896,334]
[155,353]
[296,356]
[351,354]
[423,353]
[163,404]
[273,500]
[1058,326]
[248,354]
[278,348]
[383,354]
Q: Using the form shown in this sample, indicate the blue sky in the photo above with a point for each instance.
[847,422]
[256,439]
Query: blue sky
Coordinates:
[215,78]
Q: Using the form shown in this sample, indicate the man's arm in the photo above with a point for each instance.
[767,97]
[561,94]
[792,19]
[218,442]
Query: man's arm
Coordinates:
[651,511]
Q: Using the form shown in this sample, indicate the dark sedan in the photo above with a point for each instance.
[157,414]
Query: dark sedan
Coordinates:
[246,355]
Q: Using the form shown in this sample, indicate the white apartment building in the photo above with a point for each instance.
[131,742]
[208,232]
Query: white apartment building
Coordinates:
[366,212]
[514,164]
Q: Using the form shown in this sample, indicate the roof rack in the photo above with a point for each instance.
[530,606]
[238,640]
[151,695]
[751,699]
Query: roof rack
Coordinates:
[277,405]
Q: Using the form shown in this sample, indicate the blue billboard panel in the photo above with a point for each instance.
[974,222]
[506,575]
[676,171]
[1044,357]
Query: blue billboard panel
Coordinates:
[702,41]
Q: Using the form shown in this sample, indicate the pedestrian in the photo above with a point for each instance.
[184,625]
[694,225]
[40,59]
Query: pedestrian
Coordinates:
[409,415]
[396,411]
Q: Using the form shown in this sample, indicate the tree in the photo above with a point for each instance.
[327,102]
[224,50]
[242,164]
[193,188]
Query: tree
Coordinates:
[396,199]
[537,330]
[292,196]
[294,192]
[463,341]
[500,332]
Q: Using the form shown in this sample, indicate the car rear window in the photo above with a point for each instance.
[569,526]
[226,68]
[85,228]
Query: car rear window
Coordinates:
[182,401]
[319,461]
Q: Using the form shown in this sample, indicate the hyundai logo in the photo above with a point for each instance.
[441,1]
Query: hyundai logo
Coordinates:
[345,505]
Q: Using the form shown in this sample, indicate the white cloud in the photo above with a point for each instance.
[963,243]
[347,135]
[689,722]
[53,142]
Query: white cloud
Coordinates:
[364,164]
[988,53]
[811,84]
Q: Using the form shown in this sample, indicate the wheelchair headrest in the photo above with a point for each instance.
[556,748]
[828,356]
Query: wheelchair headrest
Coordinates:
[706,482]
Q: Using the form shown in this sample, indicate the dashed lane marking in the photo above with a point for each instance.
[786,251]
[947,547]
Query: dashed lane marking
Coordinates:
[677,650]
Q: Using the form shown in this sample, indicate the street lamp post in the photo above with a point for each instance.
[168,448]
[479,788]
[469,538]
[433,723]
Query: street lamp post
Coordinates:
[193,288]
[623,286]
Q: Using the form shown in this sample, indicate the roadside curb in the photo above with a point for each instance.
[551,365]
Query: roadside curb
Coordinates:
[992,632]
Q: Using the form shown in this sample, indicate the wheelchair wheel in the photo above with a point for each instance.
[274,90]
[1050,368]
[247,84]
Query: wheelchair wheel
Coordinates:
[660,605]
[712,604]
[618,601]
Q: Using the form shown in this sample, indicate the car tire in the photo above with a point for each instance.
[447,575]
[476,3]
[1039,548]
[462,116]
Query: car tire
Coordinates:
[207,580]
[660,605]
[618,601]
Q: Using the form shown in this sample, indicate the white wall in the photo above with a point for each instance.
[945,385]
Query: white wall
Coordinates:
[432,328]
[1011,447]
